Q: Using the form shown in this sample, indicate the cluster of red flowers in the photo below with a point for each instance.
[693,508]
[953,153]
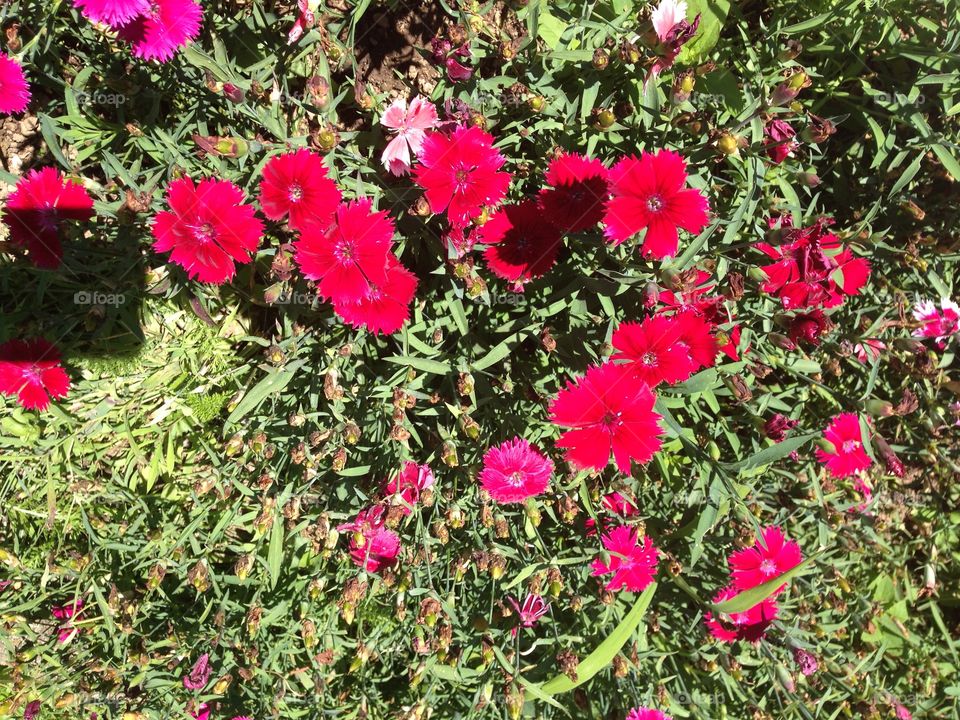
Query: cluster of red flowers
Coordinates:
[155,29]
[461,173]
[771,556]
[811,272]
[346,248]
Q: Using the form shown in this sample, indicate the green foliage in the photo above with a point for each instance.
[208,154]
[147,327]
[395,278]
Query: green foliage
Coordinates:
[190,486]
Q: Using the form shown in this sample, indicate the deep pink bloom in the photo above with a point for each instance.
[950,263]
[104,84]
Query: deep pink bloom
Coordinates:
[534,607]
[202,712]
[514,471]
[199,675]
[901,711]
[779,140]
[771,556]
[296,185]
[777,427]
[66,615]
[608,409]
[31,710]
[14,88]
[404,488]
[384,308]
[646,714]
[576,193]
[633,560]
[166,27]
[208,228]
[372,546]
[848,455]
[868,349]
[938,324]
[112,12]
[351,256]
[521,244]
[807,263]
[808,327]
[30,371]
[806,660]
[748,625]
[410,125]
[42,200]
[651,192]
[653,350]
[461,173]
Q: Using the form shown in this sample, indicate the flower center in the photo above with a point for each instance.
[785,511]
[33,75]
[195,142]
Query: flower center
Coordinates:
[515,478]
[768,567]
[850,446]
[295,193]
[649,359]
[610,419]
[47,218]
[655,203]
[203,233]
[343,251]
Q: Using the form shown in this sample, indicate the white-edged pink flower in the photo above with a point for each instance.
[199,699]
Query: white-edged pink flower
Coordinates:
[411,125]
[667,15]
[938,324]
[306,20]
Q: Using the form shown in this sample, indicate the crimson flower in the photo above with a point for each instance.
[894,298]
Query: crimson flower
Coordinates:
[515,471]
[351,256]
[30,370]
[574,200]
[651,192]
[460,173]
[199,675]
[608,409]
[405,487]
[65,614]
[808,327]
[14,88]
[633,560]
[779,140]
[296,185]
[385,307]
[750,624]
[42,200]
[521,245]
[164,28]
[847,456]
[771,556]
[653,350]
[777,427]
[208,228]
[807,263]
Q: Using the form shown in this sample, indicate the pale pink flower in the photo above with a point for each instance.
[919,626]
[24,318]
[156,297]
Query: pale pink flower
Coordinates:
[410,124]
[667,15]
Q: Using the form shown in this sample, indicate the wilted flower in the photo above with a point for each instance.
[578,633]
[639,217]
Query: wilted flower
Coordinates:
[404,488]
[779,140]
[66,614]
[199,675]
[807,661]
[777,427]
[534,607]
[808,327]
[750,624]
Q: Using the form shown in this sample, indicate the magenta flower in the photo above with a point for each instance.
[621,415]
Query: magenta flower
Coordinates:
[770,557]
[534,607]
[199,676]
[404,488]
[807,661]
[848,455]
[633,560]
[372,546]
[305,20]
[201,713]
[66,614]
[14,88]
[515,471]
[31,710]
[646,714]
[750,625]
[938,324]
[410,125]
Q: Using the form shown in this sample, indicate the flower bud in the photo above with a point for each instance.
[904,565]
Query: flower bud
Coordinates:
[605,119]
[601,59]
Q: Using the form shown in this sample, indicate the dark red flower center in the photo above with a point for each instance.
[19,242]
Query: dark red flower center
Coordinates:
[655,203]
[295,193]
[649,359]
